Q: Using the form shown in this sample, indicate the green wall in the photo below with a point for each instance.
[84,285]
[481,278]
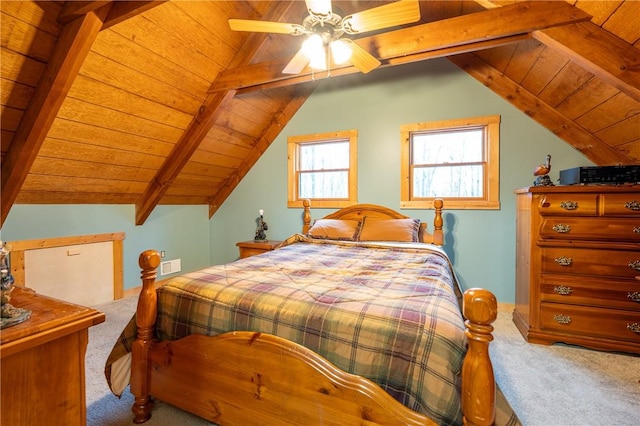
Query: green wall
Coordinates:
[181,231]
[480,243]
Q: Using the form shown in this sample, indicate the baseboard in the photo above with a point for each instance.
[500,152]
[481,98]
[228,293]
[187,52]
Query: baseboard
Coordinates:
[506,307]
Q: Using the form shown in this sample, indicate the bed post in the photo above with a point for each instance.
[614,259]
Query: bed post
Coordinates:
[478,384]
[145,321]
[438,235]
[306,216]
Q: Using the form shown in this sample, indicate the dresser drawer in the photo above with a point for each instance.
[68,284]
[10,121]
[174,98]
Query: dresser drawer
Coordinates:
[610,263]
[568,204]
[570,228]
[590,291]
[593,322]
[627,204]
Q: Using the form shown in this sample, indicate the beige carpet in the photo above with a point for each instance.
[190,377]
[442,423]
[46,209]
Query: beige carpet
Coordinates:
[555,385]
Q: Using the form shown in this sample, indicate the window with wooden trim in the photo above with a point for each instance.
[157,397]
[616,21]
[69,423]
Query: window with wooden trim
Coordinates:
[322,168]
[457,160]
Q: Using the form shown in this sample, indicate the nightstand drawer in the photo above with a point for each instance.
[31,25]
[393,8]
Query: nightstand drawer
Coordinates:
[610,263]
[252,248]
[596,322]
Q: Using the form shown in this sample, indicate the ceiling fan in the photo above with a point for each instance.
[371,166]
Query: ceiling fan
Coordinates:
[324,30]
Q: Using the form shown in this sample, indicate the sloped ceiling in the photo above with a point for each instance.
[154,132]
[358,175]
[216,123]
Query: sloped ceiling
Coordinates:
[152,102]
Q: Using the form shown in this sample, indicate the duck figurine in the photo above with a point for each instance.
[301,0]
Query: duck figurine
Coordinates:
[542,173]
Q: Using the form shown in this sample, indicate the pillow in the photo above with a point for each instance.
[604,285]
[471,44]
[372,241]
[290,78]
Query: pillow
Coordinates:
[335,229]
[404,230]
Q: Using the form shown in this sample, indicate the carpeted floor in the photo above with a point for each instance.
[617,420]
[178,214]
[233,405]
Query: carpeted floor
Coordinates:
[557,385]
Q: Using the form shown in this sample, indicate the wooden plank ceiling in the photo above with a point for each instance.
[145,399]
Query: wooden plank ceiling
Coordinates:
[152,102]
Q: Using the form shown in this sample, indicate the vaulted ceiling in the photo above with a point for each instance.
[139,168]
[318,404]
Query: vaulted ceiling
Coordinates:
[159,102]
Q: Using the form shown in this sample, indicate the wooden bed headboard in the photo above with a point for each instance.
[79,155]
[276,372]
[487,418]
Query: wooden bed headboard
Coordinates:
[373,211]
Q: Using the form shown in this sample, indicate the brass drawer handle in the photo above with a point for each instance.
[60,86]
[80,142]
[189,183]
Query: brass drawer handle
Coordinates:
[635,296]
[561,228]
[562,319]
[632,205]
[636,230]
[563,290]
[635,265]
[569,205]
[635,327]
[566,261]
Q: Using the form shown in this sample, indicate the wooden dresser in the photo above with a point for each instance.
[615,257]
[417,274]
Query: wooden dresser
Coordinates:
[43,381]
[577,259]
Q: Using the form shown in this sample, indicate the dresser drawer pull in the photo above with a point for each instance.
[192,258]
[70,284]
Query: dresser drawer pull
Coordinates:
[563,290]
[569,205]
[562,319]
[635,296]
[635,327]
[635,265]
[567,261]
[561,228]
[636,230]
[632,205]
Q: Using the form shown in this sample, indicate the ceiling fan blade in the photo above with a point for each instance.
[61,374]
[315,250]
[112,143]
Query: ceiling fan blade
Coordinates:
[265,27]
[362,59]
[389,15]
[297,63]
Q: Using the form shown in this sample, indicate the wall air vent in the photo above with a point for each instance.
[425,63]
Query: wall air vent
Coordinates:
[170,267]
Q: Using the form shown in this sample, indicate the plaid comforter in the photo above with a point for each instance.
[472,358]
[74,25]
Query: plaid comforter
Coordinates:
[390,313]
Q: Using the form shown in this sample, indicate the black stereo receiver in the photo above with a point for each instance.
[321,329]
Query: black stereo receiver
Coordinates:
[612,175]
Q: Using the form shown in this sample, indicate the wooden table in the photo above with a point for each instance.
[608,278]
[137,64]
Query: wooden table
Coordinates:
[43,380]
[251,248]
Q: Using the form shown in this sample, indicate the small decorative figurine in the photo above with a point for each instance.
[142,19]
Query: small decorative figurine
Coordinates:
[262,226]
[542,173]
[10,314]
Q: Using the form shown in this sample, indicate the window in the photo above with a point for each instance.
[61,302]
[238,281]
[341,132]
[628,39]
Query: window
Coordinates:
[322,168]
[457,160]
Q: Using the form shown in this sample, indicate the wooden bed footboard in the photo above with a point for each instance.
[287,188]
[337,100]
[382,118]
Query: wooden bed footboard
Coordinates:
[247,375]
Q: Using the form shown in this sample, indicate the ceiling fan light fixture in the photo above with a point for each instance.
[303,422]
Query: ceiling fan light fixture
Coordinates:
[340,51]
[313,49]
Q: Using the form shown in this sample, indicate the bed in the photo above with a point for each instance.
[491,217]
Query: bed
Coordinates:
[357,320]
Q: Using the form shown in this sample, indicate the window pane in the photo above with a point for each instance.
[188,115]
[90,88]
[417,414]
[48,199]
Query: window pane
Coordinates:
[324,184]
[334,155]
[458,146]
[457,181]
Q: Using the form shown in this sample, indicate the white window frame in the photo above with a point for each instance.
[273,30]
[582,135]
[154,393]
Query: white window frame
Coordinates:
[490,162]
[293,144]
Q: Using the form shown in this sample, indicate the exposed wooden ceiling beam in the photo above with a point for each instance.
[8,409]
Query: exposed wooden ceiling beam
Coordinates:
[598,51]
[67,57]
[280,119]
[407,59]
[592,147]
[481,27]
[120,10]
[201,124]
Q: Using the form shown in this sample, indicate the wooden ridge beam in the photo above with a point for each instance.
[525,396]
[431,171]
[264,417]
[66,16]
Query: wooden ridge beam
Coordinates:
[67,57]
[598,51]
[120,10]
[498,23]
[201,124]
[539,111]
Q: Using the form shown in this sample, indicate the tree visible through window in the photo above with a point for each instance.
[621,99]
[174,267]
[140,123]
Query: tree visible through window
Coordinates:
[456,160]
[322,168]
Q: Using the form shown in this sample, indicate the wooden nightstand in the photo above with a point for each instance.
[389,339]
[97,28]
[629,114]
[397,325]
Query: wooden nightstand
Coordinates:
[43,377]
[251,248]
